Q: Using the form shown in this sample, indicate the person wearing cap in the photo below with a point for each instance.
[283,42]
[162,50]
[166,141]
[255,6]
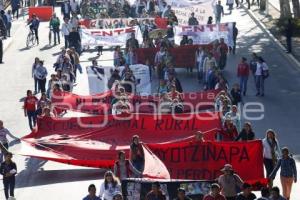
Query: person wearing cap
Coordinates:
[118,196]
[181,194]
[243,71]
[155,193]
[229,182]
[288,172]
[193,20]
[214,193]
[246,193]
[9,170]
[92,193]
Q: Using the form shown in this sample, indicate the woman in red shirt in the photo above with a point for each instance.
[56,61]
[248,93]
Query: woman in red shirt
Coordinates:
[243,71]
[30,104]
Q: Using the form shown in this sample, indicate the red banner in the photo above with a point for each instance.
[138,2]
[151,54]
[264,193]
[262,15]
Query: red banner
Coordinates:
[101,103]
[183,56]
[204,160]
[83,141]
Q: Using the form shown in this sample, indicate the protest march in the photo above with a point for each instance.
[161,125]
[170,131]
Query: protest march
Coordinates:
[154,139]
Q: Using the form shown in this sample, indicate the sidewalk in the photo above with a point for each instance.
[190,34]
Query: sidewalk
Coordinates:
[270,23]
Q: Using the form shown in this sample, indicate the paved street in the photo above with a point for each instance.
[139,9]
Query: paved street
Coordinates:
[41,180]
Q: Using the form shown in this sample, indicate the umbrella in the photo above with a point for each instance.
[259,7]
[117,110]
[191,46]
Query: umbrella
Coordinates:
[155,33]
[188,33]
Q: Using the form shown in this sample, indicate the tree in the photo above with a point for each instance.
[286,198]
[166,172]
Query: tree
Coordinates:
[285,9]
[296,8]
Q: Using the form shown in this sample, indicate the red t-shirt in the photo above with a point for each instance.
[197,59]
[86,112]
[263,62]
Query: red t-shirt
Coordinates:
[218,197]
[243,69]
[30,103]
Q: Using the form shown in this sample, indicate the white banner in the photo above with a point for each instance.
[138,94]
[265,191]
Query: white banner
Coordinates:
[108,37]
[205,34]
[98,78]
[201,8]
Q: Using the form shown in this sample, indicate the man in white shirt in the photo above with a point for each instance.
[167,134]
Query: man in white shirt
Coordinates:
[261,69]
[65,30]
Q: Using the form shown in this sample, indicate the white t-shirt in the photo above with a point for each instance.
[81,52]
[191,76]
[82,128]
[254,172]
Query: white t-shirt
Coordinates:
[109,192]
[260,67]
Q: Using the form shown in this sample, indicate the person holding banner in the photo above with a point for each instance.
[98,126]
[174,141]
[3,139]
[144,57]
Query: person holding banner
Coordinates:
[123,168]
[230,182]
[271,152]
[137,153]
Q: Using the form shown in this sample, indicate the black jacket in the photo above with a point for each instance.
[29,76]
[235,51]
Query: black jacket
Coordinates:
[244,136]
[74,38]
[6,168]
[2,28]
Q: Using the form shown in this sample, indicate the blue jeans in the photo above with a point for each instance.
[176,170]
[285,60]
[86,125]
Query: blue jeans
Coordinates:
[2,154]
[243,84]
[260,85]
[31,118]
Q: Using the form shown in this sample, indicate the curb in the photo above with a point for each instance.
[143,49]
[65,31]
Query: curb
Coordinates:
[290,57]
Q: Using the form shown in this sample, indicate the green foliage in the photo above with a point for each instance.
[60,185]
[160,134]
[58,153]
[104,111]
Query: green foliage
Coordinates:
[282,23]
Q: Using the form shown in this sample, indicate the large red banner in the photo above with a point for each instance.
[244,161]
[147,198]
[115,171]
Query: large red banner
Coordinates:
[183,56]
[204,160]
[101,103]
[88,141]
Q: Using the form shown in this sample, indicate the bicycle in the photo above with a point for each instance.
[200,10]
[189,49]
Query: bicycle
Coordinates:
[31,39]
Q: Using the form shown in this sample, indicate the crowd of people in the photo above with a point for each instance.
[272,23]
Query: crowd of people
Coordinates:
[209,64]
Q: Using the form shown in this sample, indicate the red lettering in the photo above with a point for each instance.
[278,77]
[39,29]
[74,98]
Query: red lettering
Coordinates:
[198,28]
[211,27]
[186,28]
[118,31]
[129,30]
[104,33]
